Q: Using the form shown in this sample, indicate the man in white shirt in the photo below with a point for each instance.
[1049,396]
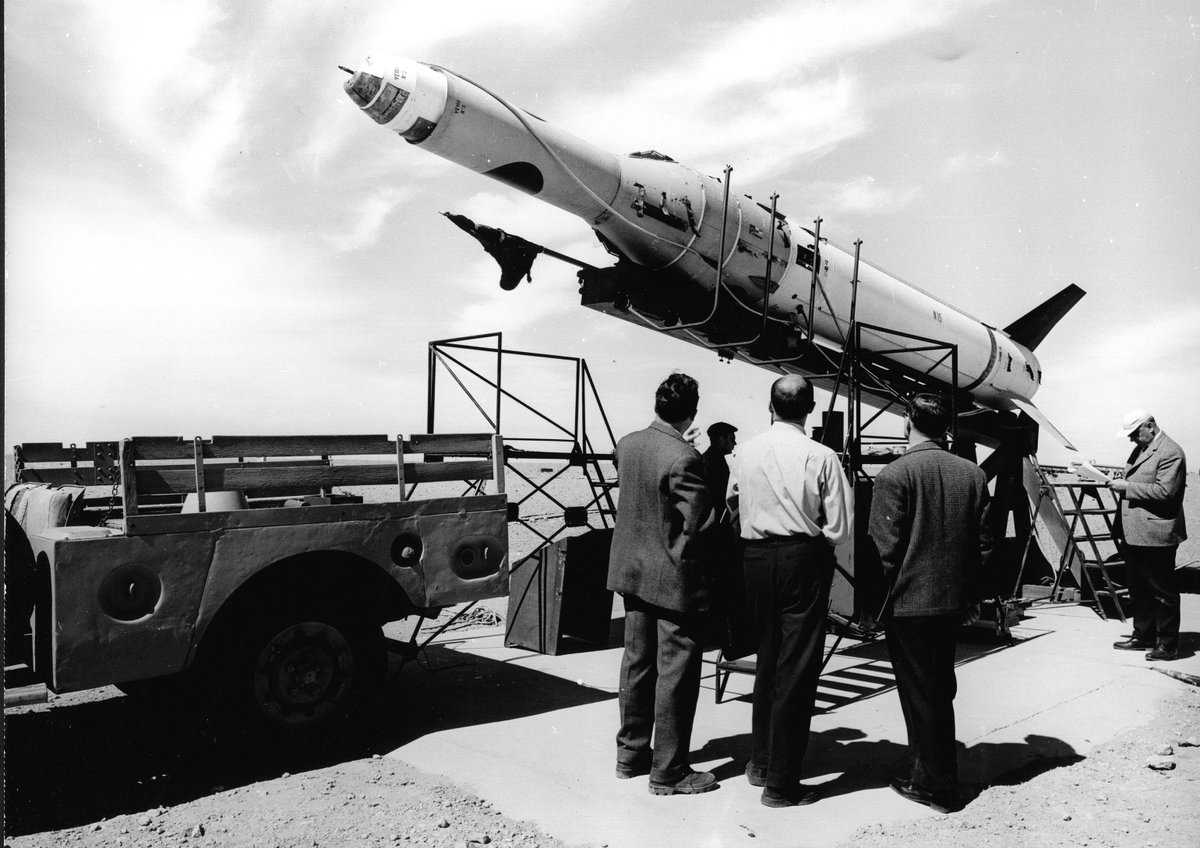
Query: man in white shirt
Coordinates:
[793,505]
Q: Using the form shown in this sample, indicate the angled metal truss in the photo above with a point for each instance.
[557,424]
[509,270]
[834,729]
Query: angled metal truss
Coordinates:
[574,437]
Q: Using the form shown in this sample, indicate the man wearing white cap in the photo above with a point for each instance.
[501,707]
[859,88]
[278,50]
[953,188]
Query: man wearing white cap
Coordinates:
[1153,524]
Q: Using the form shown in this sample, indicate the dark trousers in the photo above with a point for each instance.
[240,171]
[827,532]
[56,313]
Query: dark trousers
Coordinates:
[1154,595]
[922,652]
[660,682]
[787,591]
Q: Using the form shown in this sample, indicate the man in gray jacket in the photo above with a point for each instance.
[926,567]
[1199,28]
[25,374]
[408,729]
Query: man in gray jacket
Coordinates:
[1153,525]
[655,565]
[927,520]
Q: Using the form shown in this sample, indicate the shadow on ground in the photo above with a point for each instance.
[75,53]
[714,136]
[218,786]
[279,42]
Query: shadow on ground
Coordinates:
[1189,644]
[859,763]
[72,764]
[870,675]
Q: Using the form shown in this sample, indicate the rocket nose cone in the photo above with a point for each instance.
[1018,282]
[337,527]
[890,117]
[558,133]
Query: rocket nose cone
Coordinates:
[362,87]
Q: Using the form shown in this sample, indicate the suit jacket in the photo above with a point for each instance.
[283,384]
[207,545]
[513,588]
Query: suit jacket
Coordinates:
[927,520]
[716,475]
[1152,508]
[663,507]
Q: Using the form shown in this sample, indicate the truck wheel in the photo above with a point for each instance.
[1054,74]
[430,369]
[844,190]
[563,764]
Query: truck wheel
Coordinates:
[310,671]
[20,592]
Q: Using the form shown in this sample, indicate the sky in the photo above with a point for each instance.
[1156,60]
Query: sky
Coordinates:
[205,236]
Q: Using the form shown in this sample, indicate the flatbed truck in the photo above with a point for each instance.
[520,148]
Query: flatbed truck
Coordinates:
[244,563]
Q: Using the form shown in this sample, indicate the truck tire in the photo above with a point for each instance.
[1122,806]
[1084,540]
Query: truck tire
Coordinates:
[20,591]
[309,669]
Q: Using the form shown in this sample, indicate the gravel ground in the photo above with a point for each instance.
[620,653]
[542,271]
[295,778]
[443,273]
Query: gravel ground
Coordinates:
[363,802]
[1113,797]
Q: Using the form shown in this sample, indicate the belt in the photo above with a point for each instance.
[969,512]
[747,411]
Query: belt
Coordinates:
[779,541]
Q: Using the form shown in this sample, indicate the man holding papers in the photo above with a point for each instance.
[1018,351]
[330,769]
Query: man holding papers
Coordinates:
[1152,520]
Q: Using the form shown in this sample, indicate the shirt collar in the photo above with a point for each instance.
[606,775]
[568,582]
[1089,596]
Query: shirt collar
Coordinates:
[792,424]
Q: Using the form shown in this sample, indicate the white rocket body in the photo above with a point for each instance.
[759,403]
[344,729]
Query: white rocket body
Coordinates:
[666,216]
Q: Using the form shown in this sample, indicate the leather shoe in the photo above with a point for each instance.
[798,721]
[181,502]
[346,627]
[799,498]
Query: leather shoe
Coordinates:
[941,802]
[1133,645]
[756,776]
[792,796]
[1162,654]
[692,783]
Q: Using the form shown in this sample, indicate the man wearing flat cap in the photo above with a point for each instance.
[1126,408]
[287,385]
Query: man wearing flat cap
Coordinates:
[722,439]
[1152,520]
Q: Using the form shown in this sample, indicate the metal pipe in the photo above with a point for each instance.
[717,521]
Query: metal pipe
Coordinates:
[812,292]
[720,262]
[499,377]
[766,286]
[849,348]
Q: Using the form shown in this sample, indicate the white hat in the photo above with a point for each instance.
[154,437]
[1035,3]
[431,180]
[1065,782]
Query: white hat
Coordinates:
[1133,419]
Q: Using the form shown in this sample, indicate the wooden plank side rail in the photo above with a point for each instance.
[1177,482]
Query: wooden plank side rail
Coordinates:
[264,466]
[89,476]
[275,481]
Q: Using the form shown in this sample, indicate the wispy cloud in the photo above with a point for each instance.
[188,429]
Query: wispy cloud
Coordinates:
[150,68]
[1126,344]
[369,218]
[865,195]
[779,84]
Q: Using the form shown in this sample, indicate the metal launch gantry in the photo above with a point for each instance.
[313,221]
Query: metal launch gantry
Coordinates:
[579,438]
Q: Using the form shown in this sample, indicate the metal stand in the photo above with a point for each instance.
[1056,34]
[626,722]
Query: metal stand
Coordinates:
[566,433]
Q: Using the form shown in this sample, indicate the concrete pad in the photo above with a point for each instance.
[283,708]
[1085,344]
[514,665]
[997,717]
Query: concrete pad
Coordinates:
[1042,702]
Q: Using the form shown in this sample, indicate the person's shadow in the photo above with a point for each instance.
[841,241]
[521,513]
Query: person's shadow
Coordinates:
[1189,644]
[869,764]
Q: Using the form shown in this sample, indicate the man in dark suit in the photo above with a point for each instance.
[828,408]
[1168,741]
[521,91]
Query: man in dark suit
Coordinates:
[655,565]
[1153,525]
[722,439]
[927,520]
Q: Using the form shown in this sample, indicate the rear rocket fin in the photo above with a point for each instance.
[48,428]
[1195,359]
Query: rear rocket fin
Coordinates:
[1032,327]
[1040,417]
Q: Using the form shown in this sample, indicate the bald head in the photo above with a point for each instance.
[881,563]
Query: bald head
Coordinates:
[791,398]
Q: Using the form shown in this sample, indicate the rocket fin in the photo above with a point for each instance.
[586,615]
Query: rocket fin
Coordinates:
[1043,422]
[1035,325]
[514,254]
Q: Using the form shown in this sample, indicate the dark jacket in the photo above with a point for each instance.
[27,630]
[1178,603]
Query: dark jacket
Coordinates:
[1152,508]
[716,475]
[927,520]
[662,508]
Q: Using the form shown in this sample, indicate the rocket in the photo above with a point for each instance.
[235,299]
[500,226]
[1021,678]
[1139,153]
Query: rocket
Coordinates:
[723,271]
